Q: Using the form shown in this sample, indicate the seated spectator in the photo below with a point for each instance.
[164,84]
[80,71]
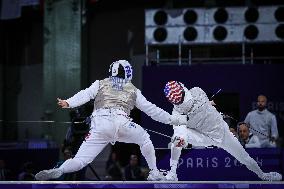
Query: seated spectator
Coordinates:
[263,123]
[27,173]
[247,139]
[113,168]
[133,171]
[67,154]
[78,175]
[5,174]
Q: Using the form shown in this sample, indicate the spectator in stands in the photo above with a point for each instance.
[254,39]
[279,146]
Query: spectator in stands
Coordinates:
[74,137]
[27,173]
[263,123]
[133,171]
[67,154]
[113,168]
[246,138]
[5,174]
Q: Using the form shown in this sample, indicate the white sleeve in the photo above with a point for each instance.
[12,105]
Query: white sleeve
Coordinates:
[84,96]
[247,119]
[274,129]
[152,110]
[253,142]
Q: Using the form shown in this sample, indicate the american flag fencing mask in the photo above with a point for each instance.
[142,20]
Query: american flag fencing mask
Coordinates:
[174,92]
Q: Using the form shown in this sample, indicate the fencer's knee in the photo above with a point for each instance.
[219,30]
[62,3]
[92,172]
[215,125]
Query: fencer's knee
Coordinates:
[145,140]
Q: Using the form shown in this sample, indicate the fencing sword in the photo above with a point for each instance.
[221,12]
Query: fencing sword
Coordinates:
[248,125]
[157,133]
[215,94]
[225,115]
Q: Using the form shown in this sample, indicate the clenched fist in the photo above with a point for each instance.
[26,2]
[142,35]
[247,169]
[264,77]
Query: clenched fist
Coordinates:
[62,103]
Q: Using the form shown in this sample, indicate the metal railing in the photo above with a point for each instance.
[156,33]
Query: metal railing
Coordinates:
[214,60]
[32,133]
[156,58]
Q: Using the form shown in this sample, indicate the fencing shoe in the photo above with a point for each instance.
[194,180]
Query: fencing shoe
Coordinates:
[48,174]
[171,176]
[156,175]
[271,176]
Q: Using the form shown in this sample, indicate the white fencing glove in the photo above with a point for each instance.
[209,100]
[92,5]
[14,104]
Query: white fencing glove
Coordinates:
[178,142]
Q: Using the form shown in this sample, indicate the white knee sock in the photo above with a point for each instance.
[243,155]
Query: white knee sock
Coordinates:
[148,152]
[71,165]
[252,165]
[175,154]
[233,146]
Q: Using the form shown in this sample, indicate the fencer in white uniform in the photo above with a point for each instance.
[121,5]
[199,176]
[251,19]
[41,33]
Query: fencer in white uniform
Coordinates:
[205,127]
[114,98]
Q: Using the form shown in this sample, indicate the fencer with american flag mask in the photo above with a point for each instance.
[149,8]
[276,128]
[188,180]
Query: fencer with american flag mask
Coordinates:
[205,127]
[114,98]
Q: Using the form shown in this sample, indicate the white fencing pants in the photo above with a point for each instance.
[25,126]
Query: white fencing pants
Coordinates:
[229,143]
[110,125]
